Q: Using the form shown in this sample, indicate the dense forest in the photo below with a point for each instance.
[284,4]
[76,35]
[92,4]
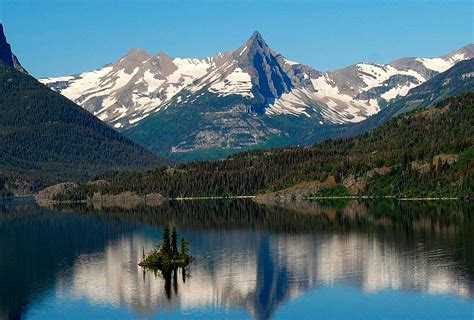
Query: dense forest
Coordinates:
[46,138]
[427,152]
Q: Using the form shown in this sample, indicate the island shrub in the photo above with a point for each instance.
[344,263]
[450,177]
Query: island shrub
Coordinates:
[166,256]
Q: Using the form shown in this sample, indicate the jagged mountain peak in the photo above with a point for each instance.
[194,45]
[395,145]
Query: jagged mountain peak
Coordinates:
[162,54]
[256,39]
[6,54]
[132,60]
[135,55]
[466,52]
[256,35]
[262,63]
[253,44]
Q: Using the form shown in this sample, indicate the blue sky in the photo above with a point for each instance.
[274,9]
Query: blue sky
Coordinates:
[57,37]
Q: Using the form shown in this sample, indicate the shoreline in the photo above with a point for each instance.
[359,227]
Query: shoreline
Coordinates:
[256,198]
[211,198]
[385,197]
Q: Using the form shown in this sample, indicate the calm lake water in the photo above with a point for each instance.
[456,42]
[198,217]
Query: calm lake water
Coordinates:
[331,260]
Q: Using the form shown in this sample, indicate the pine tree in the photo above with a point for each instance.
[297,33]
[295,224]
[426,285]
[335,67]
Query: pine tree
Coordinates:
[166,241]
[174,241]
[405,161]
[184,246]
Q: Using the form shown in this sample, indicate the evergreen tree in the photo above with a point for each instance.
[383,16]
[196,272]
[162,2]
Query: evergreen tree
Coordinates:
[59,140]
[413,136]
[405,161]
[184,246]
[166,241]
[174,241]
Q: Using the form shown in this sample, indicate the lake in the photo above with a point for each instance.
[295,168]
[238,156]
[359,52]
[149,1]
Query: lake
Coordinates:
[319,260]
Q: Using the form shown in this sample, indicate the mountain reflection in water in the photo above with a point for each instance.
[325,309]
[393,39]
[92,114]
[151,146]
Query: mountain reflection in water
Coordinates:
[248,256]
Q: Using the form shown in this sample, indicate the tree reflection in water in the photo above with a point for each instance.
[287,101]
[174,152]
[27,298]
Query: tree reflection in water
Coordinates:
[248,255]
[170,277]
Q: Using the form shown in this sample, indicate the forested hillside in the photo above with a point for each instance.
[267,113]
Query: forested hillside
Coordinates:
[428,152]
[46,138]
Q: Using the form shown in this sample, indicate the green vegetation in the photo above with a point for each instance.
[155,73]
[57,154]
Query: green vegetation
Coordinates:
[45,138]
[337,190]
[3,191]
[180,125]
[177,124]
[406,147]
[166,256]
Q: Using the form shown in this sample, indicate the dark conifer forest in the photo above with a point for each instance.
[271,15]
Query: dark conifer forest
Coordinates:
[423,153]
[45,138]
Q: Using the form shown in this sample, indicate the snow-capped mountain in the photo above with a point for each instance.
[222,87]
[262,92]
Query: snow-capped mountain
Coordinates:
[239,98]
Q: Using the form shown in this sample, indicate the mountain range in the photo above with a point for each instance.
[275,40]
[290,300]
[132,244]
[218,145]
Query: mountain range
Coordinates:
[188,108]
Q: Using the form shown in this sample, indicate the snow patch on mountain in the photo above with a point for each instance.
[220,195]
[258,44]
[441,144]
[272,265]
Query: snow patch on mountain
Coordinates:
[122,78]
[237,82]
[346,108]
[83,84]
[152,82]
[375,74]
[292,103]
[442,64]
[397,91]
[325,99]
[290,62]
[188,69]
[57,79]
[436,64]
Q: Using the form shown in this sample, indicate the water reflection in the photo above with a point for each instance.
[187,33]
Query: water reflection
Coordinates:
[248,256]
[38,245]
[261,273]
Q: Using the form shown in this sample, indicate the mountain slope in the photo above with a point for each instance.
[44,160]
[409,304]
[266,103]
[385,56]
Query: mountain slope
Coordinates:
[246,98]
[452,82]
[45,138]
[428,152]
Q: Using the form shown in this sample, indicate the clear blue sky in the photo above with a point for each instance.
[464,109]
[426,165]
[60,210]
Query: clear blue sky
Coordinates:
[57,37]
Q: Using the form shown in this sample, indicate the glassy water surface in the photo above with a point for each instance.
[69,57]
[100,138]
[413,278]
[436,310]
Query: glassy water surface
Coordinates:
[337,260]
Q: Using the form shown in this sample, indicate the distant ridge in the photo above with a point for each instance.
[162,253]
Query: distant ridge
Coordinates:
[455,81]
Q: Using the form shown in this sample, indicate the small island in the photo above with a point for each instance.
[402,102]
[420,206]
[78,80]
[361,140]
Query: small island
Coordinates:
[166,256]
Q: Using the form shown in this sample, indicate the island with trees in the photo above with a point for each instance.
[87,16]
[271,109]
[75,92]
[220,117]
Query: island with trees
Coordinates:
[166,256]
